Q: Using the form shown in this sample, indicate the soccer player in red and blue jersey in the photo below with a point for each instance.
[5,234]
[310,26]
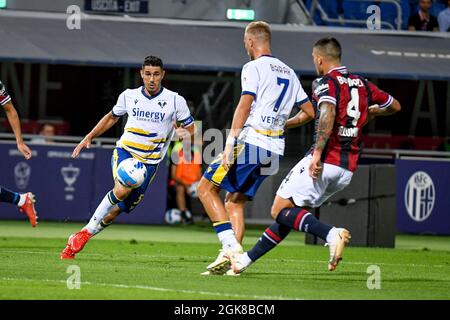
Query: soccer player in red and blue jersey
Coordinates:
[344,103]
[25,201]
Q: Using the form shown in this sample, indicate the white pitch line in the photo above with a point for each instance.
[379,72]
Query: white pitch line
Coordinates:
[123,286]
[267,259]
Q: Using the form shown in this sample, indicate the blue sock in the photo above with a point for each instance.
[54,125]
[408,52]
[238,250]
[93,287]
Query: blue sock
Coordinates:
[221,226]
[302,220]
[8,196]
[269,239]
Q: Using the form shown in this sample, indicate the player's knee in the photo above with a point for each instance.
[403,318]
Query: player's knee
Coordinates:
[274,212]
[203,189]
[234,205]
[120,191]
[232,208]
[229,205]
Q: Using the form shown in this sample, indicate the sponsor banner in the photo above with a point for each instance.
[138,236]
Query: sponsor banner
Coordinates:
[423,196]
[70,189]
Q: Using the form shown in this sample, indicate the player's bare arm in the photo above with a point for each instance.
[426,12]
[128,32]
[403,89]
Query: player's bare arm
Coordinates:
[240,117]
[104,124]
[304,115]
[13,119]
[324,128]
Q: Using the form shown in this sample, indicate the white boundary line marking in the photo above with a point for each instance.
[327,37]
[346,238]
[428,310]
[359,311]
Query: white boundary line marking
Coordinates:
[123,286]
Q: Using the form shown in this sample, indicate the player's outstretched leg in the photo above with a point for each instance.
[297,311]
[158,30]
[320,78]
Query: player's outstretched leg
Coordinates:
[272,236]
[24,201]
[77,241]
[301,219]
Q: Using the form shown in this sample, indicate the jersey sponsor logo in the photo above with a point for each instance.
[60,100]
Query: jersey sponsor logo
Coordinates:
[350,82]
[2,89]
[3,94]
[321,88]
[280,69]
[279,121]
[419,196]
[148,116]
[348,132]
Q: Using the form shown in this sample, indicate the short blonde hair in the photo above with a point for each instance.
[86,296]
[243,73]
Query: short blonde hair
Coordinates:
[260,30]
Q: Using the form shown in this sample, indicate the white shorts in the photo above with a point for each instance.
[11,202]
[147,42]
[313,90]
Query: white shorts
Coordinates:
[305,192]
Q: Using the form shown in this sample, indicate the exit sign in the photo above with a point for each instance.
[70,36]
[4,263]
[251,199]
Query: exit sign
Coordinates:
[241,14]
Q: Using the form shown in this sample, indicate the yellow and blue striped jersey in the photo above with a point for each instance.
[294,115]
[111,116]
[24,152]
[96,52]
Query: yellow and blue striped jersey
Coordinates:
[149,127]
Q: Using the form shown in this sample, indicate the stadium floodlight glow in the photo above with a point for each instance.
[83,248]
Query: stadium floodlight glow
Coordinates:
[241,14]
[3,4]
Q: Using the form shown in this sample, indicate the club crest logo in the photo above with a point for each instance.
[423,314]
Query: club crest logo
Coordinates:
[420,196]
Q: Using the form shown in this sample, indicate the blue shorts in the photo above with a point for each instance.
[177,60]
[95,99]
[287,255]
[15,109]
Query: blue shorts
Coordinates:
[251,166]
[136,195]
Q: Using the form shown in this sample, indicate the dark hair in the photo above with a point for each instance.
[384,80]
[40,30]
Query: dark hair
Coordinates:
[153,61]
[329,47]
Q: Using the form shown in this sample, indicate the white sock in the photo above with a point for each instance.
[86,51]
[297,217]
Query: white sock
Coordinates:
[245,260]
[331,234]
[228,239]
[22,198]
[100,228]
[100,213]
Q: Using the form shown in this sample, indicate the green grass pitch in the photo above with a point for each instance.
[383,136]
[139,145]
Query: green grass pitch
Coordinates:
[163,262]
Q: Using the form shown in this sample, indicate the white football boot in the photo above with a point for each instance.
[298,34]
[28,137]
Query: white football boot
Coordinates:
[337,246]
[219,267]
[229,272]
[222,263]
[238,263]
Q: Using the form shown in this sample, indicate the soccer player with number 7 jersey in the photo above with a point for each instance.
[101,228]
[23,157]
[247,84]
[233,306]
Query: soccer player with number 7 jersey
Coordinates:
[270,89]
[344,103]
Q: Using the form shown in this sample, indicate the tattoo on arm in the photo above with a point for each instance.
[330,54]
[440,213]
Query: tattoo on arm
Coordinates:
[325,125]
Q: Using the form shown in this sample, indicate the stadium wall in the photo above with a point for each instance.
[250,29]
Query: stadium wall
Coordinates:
[273,11]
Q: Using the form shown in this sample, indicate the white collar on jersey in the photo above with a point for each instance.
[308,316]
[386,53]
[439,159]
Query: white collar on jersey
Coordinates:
[341,69]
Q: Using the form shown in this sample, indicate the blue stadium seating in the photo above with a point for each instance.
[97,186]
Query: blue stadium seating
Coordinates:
[357,10]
